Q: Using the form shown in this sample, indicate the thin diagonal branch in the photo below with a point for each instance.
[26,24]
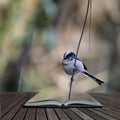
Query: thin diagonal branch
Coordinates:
[83,28]
[90,20]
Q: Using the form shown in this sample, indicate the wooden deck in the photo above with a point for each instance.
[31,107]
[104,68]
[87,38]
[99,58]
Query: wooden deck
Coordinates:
[12,109]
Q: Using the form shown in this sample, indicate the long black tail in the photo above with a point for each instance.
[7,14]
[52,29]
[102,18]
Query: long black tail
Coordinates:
[100,82]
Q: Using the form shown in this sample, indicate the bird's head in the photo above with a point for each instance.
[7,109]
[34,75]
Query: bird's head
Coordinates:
[69,55]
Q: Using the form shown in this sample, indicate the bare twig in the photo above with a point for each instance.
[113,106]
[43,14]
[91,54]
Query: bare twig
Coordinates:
[83,28]
[90,19]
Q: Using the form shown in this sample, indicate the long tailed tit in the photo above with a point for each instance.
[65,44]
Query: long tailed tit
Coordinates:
[69,65]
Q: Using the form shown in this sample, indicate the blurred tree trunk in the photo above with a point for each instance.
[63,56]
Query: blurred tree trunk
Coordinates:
[12,76]
[108,29]
[17,37]
[114,73]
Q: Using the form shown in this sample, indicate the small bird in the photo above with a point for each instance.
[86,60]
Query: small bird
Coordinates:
[68,64]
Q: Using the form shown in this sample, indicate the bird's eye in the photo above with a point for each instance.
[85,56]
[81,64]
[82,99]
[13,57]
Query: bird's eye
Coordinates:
[69,57]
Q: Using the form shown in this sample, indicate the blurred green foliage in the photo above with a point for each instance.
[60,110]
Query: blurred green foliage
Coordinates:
[34,34]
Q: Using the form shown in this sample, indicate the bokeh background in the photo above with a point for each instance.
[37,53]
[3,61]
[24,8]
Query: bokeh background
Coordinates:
[34,34]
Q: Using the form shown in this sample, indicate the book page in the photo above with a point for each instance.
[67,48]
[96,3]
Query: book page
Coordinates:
[47,96]
[49,101]
[78,100]
[82,99]
[44,103]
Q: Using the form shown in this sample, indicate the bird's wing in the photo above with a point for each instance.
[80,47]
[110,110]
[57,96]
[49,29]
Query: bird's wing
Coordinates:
[85,67]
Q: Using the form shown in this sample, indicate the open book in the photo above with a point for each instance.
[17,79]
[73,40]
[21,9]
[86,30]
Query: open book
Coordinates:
[82,100]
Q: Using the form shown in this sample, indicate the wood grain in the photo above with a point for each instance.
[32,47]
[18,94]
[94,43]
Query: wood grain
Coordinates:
[12,109]
[51,115]
[61,114]
[40,114]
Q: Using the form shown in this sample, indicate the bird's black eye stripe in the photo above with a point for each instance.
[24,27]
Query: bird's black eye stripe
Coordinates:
[70,55]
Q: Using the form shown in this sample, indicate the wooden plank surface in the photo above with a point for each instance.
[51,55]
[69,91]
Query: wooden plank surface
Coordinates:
[51,115]
[21,114]
[40,114]
[31,114]
[12,109]
[71,114]
[81,114]
[61,115]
